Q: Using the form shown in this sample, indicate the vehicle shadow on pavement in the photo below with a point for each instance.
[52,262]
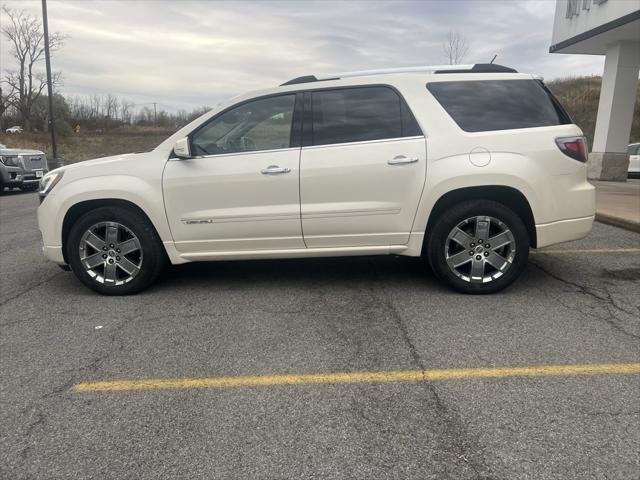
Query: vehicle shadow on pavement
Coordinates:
[311,271]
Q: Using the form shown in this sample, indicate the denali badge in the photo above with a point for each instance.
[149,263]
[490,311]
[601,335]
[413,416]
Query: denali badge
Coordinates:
[188,221]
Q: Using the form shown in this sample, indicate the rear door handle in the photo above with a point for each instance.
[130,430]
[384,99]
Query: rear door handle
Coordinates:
[274,170]
[402,160]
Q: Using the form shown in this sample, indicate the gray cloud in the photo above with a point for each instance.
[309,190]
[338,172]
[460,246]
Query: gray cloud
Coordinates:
[186,54]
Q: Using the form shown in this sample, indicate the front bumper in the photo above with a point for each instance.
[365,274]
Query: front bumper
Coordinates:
[18,178]
[54,254]
[30,178]
[51,244]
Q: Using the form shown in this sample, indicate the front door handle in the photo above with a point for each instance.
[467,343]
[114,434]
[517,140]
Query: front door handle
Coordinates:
[402,160]
[274,170]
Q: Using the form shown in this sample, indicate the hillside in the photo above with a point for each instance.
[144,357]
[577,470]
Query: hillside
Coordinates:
[580,97]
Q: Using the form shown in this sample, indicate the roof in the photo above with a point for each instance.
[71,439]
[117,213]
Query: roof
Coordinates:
[436,69]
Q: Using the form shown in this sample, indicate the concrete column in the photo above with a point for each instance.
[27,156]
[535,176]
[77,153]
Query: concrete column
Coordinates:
[609,159]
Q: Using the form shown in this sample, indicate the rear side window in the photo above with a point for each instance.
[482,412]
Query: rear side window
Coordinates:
[485,105]
[359,115]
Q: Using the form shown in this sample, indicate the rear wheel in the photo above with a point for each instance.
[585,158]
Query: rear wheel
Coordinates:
[478,246]
[115,251]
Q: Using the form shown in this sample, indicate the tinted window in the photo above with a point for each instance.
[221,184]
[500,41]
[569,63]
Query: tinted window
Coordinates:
[359,114]
[258,125]
[478,106]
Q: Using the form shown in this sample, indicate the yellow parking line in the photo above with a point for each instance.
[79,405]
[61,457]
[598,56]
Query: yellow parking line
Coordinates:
[588,250]
[357,377]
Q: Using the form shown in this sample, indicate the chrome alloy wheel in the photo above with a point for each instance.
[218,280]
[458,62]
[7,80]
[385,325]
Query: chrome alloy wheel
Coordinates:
[110,253]
[480,249]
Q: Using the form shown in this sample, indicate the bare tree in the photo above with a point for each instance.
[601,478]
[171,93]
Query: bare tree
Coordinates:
[96,105]
[25,38]
[455,48]
[111,107]
[125,110]
[6,101]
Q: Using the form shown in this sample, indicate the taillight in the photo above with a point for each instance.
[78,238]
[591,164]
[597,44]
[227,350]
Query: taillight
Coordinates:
[574,147]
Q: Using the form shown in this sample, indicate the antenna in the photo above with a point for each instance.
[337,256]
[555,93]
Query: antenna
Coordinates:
[494,57]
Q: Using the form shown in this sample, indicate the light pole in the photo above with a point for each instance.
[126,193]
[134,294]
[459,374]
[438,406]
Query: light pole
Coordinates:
[56,162]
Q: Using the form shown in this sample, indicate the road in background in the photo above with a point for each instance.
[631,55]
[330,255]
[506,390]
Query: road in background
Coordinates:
[576,305]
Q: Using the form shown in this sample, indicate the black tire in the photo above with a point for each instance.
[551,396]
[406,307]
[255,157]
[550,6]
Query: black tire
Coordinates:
[454,216]
[154,256]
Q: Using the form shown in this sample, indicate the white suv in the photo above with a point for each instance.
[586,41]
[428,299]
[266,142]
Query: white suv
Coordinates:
[468,166]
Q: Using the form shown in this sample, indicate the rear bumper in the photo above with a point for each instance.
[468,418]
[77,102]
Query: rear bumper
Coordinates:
[563,231]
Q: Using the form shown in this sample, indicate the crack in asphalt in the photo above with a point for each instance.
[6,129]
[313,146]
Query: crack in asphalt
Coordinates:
[26,290]
[603,296]
[452,420]
[114,346]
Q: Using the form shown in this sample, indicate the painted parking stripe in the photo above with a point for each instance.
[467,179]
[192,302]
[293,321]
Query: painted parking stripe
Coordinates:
[587,250]
[357,377]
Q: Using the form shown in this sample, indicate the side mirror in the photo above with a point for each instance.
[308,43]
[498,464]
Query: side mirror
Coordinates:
[182,149]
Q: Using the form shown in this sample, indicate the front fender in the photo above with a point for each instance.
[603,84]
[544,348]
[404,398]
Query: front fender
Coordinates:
[146,195]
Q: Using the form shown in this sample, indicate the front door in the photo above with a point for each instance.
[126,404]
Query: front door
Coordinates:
[240,191]
[362,176]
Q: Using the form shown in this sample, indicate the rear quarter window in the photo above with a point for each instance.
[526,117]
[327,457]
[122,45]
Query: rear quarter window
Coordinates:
[486,105]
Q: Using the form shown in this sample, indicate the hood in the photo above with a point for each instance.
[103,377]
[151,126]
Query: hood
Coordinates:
[103,165]
[19,151]
[101,161]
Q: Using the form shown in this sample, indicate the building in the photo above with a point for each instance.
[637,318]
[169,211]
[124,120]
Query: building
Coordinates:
[610,28]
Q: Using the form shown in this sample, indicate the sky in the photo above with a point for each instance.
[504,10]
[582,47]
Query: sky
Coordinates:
[185,54]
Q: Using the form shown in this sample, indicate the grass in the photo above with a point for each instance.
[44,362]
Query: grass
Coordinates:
[580,97]
[87,145]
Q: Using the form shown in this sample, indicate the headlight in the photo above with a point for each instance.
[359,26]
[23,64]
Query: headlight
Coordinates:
[48,182]
[10,161]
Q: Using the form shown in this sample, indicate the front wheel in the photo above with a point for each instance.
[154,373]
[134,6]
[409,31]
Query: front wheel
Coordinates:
[478,246]
[115,251]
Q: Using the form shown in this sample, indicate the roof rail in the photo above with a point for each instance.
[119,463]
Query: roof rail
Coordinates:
[304,79]
[480,68]
[470,68]
[385,71]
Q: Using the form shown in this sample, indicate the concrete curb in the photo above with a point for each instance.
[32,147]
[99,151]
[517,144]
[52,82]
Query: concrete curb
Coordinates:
[618,222]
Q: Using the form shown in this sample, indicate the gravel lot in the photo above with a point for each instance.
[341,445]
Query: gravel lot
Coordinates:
[318,316]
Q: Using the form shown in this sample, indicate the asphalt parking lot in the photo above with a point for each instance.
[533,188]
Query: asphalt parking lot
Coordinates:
[239,328]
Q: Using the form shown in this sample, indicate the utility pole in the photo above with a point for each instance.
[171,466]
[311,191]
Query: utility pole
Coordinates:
[155,113]
[47,57]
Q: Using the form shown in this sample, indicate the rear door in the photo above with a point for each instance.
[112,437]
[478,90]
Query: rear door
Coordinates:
[362,168]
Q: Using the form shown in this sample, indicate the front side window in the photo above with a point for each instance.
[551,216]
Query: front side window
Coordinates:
[485,105]
[358,115]
[263,124]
